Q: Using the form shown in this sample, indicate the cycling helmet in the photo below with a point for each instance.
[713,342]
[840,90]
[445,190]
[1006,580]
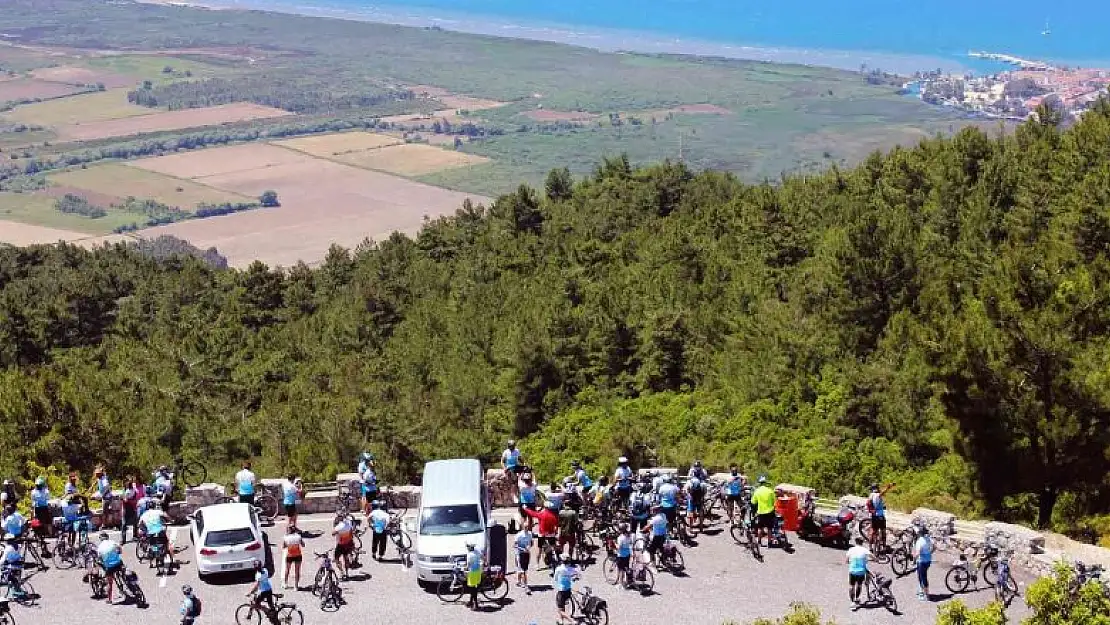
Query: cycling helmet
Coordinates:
[622,460]
[40,482]
[257,564]
[164,469]
[103,535]
[367,456]
[697,463]
[511,443]
[186,590]
[469,546]
[763,479]
[574,464]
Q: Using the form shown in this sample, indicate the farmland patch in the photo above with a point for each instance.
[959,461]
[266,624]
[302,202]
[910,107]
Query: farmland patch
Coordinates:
[30,89]
[71,75]
[118,179]
[411,159]
[78,109]
[339,143]
[170,120]
[200,163]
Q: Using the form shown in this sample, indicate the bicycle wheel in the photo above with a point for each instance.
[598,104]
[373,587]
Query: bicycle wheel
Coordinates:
[599,617]
[889,601]
[989,573]
[496,592]
[7,619]
[247,615]
[739,534]
[331,598]
[290,615]
[142,551]
[450,590]
[403,541]
[396,503]
[864,529]
[29,596]
[1006,590]
[318,582]
[194,474]
[268,507]
[644,580]
[901,562]
[610,571]
[64,555]
[753,545]
[957,580]
[676,563]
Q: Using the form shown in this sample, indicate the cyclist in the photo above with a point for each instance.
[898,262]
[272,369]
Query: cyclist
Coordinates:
[764,500]
[379,522]
[190,606]
[111,560]
[40,507]
[102,492]
[71,487]
[153,525]
[8,496]
[12,565]
[265,591]
[876,505]
[548,529]
[668,499]
[369,477]
[622,481]
[522,546]
[556,496]
[625,541]
[528,497]
[698,471]
[344,534]
[923,555]
[565,574]
[695,499]
[130,503]
[581,479]
[512,464]
[14,522]
[569,525]
[857,570]
[734,489]
[640,507]
[245,483]
[291,489]
[603,493]
[294,554]
[162,483]
[473,574]
[657,530]
[656,479]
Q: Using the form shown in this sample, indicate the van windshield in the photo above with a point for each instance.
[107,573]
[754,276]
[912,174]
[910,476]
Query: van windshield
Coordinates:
[450,520]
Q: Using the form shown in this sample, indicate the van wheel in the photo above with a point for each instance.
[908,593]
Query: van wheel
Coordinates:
[425,586]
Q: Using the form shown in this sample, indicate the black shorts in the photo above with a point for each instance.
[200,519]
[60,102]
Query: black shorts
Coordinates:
[523,558]
[515,471]
[622,562]
[878,522]
[109,571]
[290,509]
[293,559]
[856,578]
[656,543]
[130,516]
[671,514]
[766,521]
[561,599]
[698,496]
[343,550]
[734,498]
[547,540]
[248,499]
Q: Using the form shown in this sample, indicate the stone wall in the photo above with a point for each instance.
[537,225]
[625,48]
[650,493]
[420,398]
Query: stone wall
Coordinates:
[1021,540]
[940,524]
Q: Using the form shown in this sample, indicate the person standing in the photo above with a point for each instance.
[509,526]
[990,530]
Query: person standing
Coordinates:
[876,505]
[369,487]
[857,570]
[923,555]
[473,574]
[111,559]
[129,501]
[14,522]
[764,499]
[734,488]
[379,523]
[344,534]
[528,498]
[522,546]
[40,508]
[622,481]
[190,606]
[245,483]
[512,464]
[565,574]
[72,487]
[668,500]
[291,489]
[265,590]
[293,543]
[102,492]
[625,542]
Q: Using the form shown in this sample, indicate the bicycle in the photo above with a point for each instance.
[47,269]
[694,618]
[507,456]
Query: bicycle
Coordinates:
[265,504]
[670,558]
[493,585]
[1083,575]
[641,577]
[593,609]
[156,555]
[6,617]
[326,585]
[286,613]
[98,584]
[71,543]
[745,535]
[193,473]
[128,583]
[16,586]
[1005,588]
[400,539]
[964,573]
[31,549]
[879,592]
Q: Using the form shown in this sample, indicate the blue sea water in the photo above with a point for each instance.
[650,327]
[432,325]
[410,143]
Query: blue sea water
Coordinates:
[916,32]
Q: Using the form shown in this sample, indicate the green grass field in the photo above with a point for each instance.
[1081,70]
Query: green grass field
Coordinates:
[91,107]
[38,210]
[122,181]
[149,67]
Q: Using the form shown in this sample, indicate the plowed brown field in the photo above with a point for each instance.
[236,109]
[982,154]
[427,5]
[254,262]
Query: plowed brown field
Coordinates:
[172,120]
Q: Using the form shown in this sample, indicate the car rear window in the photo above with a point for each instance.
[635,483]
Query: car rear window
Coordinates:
[228,538]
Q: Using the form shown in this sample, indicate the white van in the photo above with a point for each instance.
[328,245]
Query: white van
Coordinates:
[454,510]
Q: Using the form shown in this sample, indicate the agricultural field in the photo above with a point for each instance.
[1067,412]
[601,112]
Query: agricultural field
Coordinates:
[411,159]
[340,143]
[73,75]
[122,180]
[19,233]
[211,162]
[30,89]
[76,110]
[322,202]
[168,120]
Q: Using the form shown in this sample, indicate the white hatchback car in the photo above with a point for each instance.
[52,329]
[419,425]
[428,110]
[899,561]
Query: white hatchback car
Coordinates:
[227,538]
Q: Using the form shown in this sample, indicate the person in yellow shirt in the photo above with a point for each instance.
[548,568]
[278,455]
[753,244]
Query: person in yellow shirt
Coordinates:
[764,501]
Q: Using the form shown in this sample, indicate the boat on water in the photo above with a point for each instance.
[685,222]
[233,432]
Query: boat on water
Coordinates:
[1047,31]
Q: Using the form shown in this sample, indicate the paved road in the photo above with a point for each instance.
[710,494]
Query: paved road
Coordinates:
[723,583]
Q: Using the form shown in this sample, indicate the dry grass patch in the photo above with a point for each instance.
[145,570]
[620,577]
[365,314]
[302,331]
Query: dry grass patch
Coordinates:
[412,159]
[322,202]
[83,76]
[121,180]
[171,120]
[103,200]
[210,162]
[339,143]
[16,233]
[84,108]
[28,89]
[464,102]
[541,115]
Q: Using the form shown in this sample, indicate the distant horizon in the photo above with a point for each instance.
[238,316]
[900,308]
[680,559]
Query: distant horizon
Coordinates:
[508,22]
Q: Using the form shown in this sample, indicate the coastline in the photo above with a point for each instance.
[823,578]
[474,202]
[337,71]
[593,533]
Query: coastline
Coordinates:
[602,39]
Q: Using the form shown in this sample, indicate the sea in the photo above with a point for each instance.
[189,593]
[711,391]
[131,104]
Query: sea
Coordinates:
[893,35]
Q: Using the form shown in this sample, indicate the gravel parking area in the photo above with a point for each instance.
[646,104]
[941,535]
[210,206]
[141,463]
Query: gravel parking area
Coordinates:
[722,583]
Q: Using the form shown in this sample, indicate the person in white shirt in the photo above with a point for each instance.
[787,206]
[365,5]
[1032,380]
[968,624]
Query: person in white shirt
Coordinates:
[111,560]
[857,558]
[923,554]
[522,546]
[12,563]
[245,483]
[294,554]
[512,464]
[379,524]
[564,577]
[153,524]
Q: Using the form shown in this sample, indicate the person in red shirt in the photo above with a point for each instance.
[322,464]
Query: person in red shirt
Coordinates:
[548,529]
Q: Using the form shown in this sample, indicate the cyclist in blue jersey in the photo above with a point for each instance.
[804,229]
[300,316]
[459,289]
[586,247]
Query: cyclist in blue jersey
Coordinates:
[564,577]
[582,480]
[657,530]
[856,558]
[40,507]
[668,499]
[379,522]
[512,464]
[291,490]
[153,524]
[369,487]
[622,481]
[265,590]
[14,521]
[246,483]
[734,490]
[639,507]
[111,560]
[876,505]
[11,565]
[528,499]
[698,471]
[625,541]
